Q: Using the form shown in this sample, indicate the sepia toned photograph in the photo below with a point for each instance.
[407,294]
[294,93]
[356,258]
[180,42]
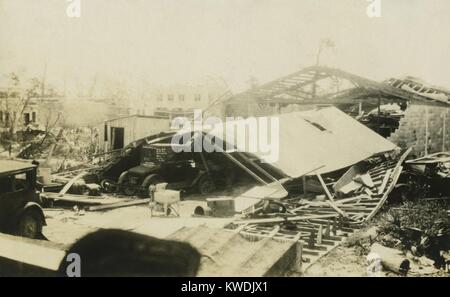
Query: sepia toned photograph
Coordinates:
[225,138]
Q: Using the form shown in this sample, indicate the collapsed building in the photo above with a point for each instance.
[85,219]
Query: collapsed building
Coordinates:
[325,142]
[302,204]
[331,175]
[407,112]
[119,132]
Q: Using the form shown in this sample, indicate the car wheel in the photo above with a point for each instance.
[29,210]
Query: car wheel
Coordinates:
[205,185]
[129,190]
[108,185]
[30,225]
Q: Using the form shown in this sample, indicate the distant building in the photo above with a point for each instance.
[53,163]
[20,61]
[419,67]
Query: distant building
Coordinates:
[177,100]
[20,112]
[119,132]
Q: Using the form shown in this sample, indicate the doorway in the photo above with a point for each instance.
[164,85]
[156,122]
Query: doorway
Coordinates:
[117,138]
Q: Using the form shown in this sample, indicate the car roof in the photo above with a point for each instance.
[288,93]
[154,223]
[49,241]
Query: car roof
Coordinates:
[11,167]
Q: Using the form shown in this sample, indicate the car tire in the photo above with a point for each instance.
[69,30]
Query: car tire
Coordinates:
[151,180]
[129,190]
[30,225]
[124,186]
[108,186]
[205,185]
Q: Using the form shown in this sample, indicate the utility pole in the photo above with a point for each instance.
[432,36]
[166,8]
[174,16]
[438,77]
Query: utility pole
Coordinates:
[44,74]
[324,43]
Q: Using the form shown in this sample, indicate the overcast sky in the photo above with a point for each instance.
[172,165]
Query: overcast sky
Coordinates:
[167,41]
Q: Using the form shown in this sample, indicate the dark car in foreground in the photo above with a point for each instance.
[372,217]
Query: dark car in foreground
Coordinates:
[20,210]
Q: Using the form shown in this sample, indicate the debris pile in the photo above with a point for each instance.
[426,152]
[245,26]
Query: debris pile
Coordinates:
[306,198]
[420,229]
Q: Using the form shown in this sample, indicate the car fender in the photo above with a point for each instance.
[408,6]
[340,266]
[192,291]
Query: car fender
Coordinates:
[123,177]
[402,185]
[151,178]
[33,206]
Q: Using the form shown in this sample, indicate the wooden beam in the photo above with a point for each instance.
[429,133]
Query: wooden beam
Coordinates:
[281,220]
[120,204]
[325,188]
[70,183]
[255,176]
[82,199]
[259,168]
[395,176]
[386,177]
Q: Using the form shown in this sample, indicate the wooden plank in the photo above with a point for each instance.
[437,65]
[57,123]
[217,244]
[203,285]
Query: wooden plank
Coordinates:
[337,209]
[331,202]
[281,220]
[120,204]
[70,183]
[82,199]
[395,177]
[385,181]
[254,175]
[431,159]
[397,171]
[325,188]
[351,199]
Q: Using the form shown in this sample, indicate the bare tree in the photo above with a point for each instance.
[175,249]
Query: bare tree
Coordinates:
[16,101]
[324,44]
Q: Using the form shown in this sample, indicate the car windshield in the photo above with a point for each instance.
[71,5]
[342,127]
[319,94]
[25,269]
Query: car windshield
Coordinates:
[20,182]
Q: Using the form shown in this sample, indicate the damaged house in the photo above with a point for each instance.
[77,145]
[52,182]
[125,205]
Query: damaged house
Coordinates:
[407,112]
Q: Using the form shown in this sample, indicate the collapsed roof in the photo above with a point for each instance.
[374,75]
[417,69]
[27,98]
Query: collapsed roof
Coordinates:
[417,86]
[321,140]
[324,85]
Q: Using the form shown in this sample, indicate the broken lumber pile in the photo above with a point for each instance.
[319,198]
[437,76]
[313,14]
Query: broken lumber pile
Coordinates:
[321,224]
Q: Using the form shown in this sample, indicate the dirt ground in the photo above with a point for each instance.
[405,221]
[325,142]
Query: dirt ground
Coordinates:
[65,226]
[342,261]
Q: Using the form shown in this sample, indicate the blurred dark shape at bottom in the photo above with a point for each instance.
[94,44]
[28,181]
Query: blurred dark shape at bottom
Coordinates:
[122,253]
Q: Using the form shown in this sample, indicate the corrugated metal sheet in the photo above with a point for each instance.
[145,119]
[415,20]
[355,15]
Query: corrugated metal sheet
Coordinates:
[325,137]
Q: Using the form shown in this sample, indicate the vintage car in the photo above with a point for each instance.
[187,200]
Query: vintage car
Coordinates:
[20,210]
[188,171]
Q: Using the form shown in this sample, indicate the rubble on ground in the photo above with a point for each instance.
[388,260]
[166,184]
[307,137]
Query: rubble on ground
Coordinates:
[307,207]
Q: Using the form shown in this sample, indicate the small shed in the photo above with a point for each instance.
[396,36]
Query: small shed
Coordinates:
[119,132]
